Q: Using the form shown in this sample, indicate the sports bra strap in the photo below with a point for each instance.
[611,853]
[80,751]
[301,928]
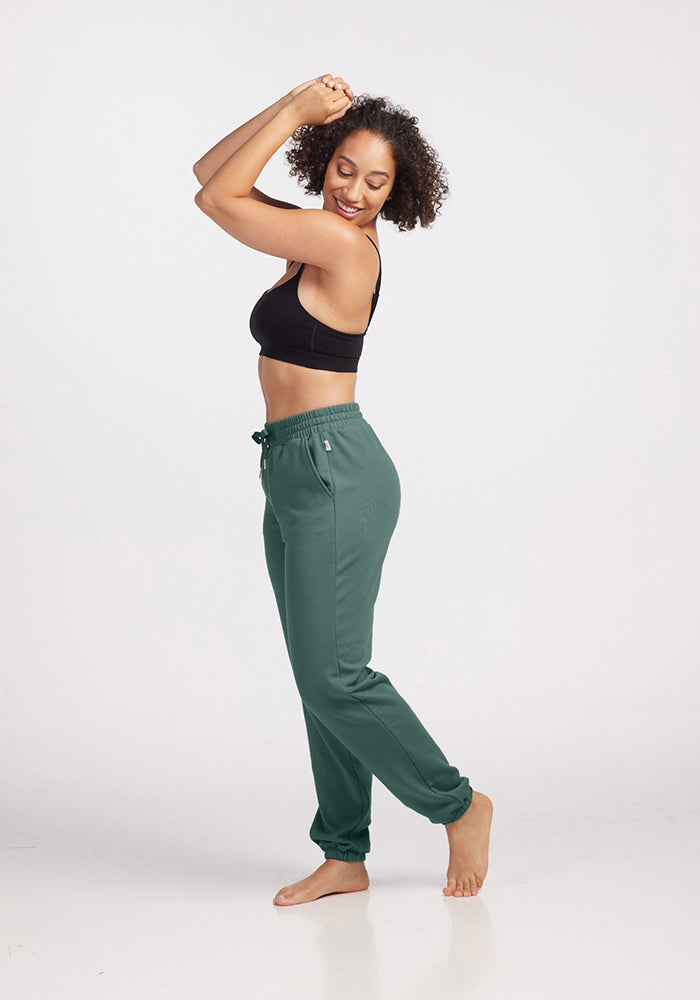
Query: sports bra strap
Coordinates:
[379,278]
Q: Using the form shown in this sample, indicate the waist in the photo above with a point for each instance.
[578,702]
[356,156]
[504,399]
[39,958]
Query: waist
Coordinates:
[289,389]
[301,424]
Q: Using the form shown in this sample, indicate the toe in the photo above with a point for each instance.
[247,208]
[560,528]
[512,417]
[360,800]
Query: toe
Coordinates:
[285,895]
[449,889]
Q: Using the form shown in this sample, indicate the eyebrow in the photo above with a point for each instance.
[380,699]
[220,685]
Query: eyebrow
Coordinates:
[353,164]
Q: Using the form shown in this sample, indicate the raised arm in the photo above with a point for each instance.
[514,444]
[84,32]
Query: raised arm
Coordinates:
[226,197]
[205,167]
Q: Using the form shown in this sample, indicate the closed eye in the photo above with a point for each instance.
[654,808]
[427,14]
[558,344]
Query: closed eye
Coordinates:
[374,187]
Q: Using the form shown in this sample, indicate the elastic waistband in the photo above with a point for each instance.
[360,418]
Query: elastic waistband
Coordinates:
[279,431]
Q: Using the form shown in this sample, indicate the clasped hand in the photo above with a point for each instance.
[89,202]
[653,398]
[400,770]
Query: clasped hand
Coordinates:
[322,100]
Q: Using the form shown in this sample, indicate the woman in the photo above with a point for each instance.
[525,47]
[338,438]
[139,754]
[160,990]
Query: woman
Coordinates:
[332,493]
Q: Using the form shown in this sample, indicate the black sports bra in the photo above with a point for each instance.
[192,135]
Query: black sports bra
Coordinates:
[287,332]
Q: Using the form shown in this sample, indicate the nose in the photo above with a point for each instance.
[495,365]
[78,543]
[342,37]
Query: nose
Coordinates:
[353,190]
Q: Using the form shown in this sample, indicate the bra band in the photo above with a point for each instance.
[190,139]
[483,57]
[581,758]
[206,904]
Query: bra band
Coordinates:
[287,332]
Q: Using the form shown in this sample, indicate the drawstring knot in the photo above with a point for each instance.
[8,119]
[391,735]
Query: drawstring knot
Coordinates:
[260,437]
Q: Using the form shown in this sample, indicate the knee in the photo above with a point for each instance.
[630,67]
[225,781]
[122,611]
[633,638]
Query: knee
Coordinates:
[328,695]
[323,696]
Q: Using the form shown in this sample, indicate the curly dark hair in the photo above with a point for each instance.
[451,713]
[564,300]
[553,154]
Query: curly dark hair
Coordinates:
[420,185]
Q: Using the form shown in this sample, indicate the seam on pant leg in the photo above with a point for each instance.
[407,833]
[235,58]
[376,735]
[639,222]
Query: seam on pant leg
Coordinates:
[401,746]
[335,640]
[342,683]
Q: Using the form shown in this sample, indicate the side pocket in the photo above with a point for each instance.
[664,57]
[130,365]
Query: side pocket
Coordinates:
[317,455]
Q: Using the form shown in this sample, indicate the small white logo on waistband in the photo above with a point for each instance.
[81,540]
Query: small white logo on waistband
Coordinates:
[327,444]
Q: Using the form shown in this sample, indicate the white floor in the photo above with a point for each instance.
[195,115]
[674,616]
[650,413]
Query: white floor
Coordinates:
[592,891]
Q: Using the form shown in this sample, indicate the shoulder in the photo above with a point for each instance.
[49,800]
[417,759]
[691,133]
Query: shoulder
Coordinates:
[353,270]
[343,243]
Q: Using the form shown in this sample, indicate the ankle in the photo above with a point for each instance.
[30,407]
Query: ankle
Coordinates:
[346,858]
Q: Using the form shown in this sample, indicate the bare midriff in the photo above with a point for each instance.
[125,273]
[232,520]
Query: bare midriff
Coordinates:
[289,389]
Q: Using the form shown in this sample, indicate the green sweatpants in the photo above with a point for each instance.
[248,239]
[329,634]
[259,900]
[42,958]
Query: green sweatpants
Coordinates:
[332,498]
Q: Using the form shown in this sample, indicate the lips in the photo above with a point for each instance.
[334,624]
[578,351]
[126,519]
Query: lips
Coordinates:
[346,211]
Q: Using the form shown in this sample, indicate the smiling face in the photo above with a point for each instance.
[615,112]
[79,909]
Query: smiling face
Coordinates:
[359,178]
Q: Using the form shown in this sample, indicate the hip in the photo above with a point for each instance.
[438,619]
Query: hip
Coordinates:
[329,453]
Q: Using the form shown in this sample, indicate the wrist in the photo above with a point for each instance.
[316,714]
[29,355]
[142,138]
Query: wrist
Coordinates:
[289,115]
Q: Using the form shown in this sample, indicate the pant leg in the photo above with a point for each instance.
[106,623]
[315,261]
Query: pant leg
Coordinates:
[336,495]
[344,792]
[343,785]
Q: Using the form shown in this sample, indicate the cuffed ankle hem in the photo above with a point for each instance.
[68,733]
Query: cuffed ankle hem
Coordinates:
[335,855]
[458,812]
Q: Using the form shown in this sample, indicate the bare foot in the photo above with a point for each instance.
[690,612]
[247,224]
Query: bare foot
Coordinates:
[469,848]
[332,876]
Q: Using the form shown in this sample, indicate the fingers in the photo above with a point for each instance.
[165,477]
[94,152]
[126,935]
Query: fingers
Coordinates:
[338,106]
[337,83]
[325,100]
[334,117]
[334,83]
[337,99]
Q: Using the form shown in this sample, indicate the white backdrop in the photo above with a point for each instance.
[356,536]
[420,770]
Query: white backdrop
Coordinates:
[543,414]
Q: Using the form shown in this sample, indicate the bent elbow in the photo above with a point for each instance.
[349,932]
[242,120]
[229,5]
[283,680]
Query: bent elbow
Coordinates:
[203,201]
[212,203]
[200,173]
